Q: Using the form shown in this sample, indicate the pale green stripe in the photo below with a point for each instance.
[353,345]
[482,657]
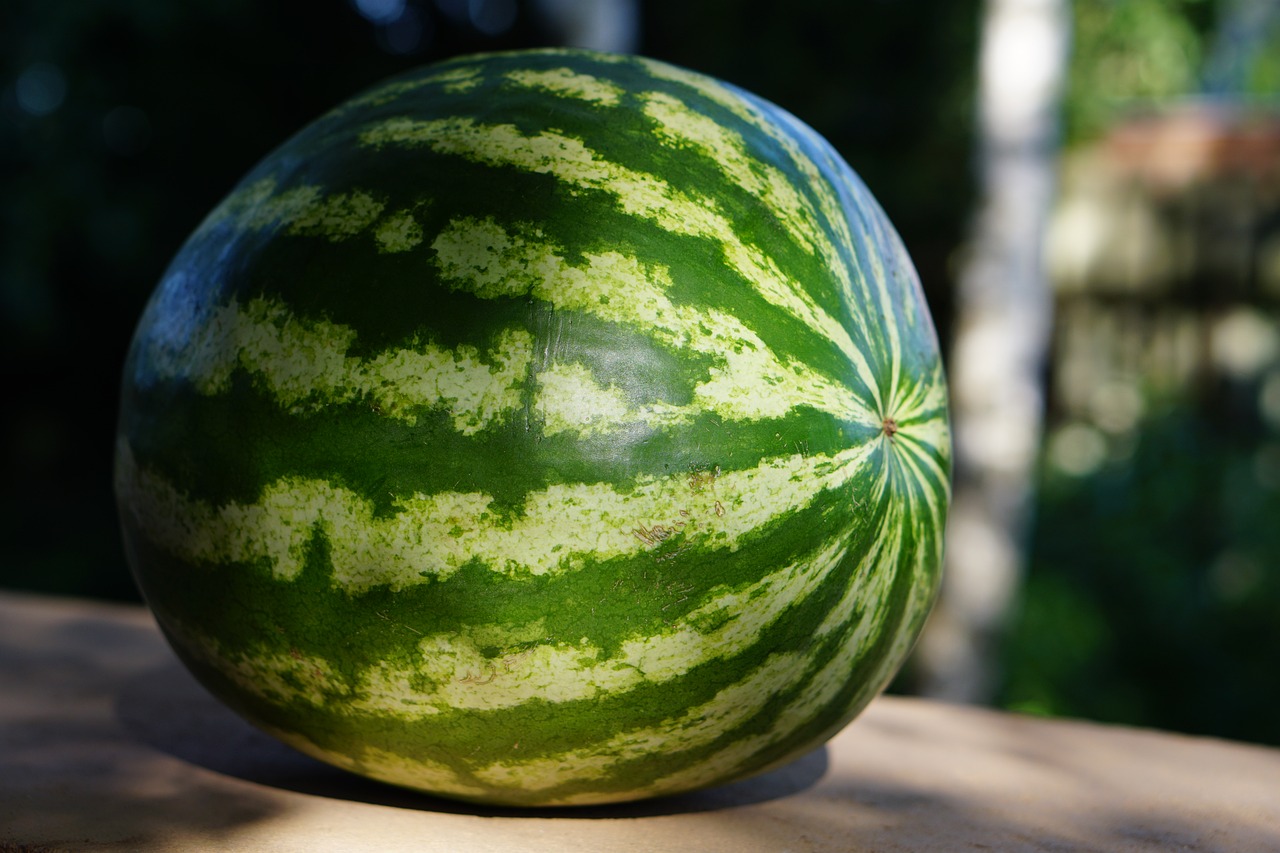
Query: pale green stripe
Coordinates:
[398,232]
[637,194]
[889,311]
[747,381]
[676,125]
[925,565]
[913,454]
[408,771]
[287,678]
[453,81]
[558,530]
[555,669]
[815,180]
[303,364]
[730,707]
[824,685]
[928,392]
[307,211]
[569,399]
[434,777]
[567,83]
[920,443]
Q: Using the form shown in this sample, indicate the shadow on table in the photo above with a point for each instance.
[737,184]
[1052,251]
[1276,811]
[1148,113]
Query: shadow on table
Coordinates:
[67,782]
[167,709]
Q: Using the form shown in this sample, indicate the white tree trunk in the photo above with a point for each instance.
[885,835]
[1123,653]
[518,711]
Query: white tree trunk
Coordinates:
[1002,329]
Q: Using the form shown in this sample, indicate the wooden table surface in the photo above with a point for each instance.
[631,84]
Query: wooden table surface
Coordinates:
[107,744]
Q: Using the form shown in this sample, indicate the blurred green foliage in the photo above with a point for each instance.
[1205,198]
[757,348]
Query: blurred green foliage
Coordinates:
[1143,53]
[1264,74]
[1132,51]
[1153,596]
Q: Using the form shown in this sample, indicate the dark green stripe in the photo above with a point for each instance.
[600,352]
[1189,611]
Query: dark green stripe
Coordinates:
[202,445]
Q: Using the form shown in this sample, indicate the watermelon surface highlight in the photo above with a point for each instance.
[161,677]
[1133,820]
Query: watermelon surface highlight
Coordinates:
[541,428]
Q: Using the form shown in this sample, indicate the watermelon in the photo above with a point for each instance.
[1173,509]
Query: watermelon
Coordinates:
[540,428]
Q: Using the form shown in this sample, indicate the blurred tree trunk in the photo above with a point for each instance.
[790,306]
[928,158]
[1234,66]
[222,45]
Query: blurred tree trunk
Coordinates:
[1002,326]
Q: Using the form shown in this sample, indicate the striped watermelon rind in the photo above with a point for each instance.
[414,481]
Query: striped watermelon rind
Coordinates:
[541,428]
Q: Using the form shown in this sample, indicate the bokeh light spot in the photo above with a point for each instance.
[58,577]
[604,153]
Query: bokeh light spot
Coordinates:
[380,11]
[492,17]
[41,88]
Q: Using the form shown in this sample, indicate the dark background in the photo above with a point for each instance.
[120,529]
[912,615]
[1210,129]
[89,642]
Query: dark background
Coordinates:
[123,122]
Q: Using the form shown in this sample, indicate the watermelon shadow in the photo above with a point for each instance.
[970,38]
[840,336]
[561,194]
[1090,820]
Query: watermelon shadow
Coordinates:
[168,710]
